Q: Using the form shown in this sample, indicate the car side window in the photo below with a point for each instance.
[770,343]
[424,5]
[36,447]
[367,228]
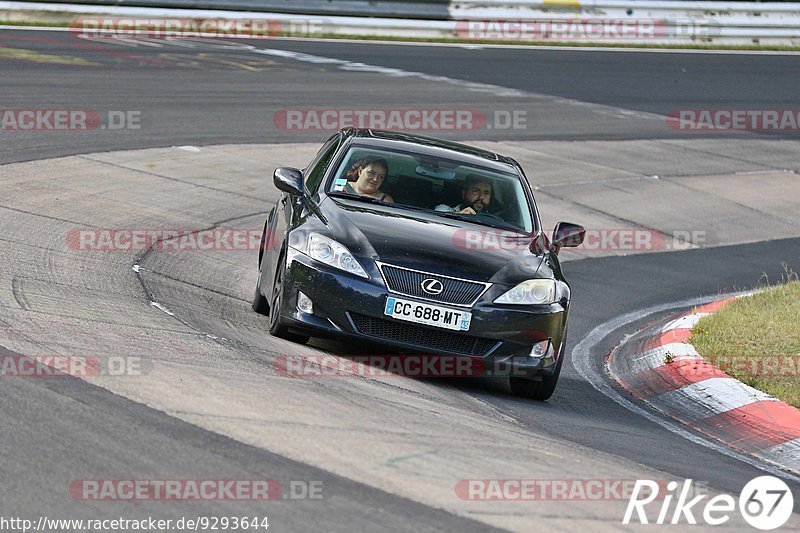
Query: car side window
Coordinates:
[316,170]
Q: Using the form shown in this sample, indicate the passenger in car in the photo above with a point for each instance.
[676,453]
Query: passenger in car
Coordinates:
[366,176]
[476,195]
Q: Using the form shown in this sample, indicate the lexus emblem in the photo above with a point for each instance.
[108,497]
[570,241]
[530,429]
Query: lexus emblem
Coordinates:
[432,286]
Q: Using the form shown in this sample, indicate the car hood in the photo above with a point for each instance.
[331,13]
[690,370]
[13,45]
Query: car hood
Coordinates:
[425,241]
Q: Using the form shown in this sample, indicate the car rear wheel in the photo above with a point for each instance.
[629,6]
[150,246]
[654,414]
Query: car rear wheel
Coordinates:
[537,390]
[275,326]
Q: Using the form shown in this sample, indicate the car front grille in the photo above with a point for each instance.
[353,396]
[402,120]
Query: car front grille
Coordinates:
[409,282]
[423,337]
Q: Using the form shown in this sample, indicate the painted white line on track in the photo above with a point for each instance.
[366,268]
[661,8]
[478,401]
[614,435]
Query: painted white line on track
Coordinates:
[162,308]
[32,28]
[497,90]
[582,361]
[788,451]
[355,66]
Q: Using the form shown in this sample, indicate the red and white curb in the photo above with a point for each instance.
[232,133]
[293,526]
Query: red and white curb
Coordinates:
[703,397]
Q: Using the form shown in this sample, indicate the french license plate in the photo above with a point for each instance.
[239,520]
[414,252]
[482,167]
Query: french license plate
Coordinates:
[430,315]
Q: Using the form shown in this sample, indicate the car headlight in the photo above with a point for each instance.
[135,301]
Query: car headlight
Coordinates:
[530,292]
[330,252]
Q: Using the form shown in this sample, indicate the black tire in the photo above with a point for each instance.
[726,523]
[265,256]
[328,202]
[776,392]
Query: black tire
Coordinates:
[262,245]
[276,328]
[537,390]
[260,304]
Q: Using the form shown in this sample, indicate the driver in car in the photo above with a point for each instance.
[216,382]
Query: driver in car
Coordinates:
[475,195]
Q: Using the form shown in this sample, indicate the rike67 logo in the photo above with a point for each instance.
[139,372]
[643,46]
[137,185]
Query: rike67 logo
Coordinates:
[765,503]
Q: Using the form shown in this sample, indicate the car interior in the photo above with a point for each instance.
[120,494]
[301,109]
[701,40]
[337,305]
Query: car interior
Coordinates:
[418,182]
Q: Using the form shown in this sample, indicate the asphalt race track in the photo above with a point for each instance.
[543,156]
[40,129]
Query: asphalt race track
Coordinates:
[388,452]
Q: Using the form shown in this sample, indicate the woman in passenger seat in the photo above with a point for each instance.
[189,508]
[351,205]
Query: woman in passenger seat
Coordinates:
[366,177]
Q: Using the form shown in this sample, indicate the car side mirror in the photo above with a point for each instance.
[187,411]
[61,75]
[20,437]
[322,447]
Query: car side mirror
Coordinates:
[540,244]
[289,180]
[567,235]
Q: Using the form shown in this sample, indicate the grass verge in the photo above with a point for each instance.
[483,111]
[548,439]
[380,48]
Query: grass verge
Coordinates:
[756,339]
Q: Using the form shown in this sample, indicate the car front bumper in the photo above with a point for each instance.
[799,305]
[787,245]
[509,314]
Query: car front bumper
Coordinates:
[351,306]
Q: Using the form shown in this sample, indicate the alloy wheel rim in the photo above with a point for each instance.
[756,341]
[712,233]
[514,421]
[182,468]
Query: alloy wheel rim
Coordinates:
[276,296]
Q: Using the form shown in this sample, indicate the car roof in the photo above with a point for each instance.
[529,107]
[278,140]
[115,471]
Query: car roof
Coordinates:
[431,146]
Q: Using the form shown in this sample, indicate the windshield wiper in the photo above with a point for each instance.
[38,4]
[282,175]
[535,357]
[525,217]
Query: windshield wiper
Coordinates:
[368,199]
[476,219]
[376,201]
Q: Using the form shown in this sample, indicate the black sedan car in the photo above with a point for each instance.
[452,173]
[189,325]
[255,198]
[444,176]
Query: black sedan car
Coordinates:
[421,245]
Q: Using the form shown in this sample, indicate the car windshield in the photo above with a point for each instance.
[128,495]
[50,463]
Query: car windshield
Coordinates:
[446,187]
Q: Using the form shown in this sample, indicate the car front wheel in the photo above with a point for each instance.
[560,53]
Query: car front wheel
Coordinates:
[260,304]
[537,390]
[276,304]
